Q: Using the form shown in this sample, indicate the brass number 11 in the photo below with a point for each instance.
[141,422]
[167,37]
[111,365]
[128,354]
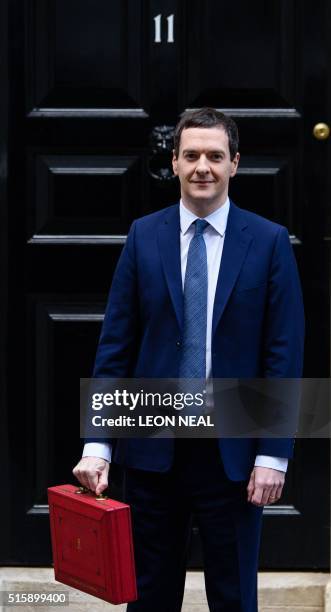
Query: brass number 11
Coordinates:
[157,32]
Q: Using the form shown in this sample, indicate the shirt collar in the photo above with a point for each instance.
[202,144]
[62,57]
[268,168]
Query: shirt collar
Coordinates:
[217,219]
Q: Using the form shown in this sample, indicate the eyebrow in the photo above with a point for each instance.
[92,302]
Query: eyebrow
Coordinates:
[218,151]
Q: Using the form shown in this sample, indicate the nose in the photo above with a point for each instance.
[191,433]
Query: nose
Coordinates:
[202,166]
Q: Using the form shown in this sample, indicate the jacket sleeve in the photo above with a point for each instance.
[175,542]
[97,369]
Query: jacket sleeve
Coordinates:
[118,342]
[117,348]
[283,347]
[284,322]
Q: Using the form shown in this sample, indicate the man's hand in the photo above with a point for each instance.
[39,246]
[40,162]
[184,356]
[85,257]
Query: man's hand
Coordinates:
[92,472]
[265,486]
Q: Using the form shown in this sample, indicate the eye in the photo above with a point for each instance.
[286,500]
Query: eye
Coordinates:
[190,156]
[217,156]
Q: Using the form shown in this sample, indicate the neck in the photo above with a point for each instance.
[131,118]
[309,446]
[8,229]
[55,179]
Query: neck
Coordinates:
[203,208]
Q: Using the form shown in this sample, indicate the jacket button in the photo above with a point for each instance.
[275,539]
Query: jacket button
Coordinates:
[178,343]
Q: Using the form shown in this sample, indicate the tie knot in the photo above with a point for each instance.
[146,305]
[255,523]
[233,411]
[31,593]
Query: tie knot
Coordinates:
[200,226]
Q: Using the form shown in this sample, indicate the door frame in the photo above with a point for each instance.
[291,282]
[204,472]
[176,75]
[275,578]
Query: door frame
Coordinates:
[4,280]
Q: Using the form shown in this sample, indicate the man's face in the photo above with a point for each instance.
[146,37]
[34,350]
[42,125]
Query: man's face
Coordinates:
[204,166]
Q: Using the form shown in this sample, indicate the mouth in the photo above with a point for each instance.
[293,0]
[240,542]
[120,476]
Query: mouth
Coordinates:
[202,182]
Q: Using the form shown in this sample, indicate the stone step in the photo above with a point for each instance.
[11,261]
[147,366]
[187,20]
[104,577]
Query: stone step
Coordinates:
[278,592]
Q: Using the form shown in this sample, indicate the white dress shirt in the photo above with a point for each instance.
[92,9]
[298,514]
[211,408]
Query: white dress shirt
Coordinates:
[214,239]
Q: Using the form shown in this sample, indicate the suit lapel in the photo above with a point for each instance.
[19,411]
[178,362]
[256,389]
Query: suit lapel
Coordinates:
[169,245]
[236,244]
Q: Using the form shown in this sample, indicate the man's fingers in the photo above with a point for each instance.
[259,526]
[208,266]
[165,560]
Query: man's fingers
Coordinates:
[255,488]
[267,495]
[91,476]
[279,491]
[92,472]
[103,481]
[270,498]
[257,495]
[276,493]
[92,480]
[268,486]
[250,487]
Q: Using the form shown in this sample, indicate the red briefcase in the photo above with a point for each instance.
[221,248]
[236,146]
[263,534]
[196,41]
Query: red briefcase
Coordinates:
[92,543]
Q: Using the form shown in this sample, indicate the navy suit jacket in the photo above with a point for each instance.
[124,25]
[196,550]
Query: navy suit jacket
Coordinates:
[258,322]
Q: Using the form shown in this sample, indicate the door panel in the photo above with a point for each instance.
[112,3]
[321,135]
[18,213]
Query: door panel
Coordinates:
[87,58]
[241,54]
[106,198]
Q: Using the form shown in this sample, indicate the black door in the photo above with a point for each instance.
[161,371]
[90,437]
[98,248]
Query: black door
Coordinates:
[90,93]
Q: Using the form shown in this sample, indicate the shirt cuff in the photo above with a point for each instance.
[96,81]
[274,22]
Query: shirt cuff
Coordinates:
[97,449]
[276,463]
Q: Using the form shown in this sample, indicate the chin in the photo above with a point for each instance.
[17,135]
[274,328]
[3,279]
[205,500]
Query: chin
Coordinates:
[202,194]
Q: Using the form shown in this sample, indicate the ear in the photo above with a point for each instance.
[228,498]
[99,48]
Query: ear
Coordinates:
[235,164]
[174,162]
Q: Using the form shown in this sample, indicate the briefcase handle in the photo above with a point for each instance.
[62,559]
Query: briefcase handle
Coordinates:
[81,490]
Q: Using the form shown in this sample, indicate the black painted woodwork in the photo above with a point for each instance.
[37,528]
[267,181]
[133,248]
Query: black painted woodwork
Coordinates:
[87,85]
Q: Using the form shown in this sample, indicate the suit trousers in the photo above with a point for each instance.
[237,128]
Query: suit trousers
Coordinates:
[162,507]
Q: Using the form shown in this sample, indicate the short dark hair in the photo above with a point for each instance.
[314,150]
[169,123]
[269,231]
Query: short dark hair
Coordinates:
[207,118]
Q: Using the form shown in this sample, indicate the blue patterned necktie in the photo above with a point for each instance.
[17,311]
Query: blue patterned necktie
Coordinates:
[193,362]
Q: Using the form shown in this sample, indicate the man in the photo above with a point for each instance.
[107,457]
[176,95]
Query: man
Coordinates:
[240,270]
